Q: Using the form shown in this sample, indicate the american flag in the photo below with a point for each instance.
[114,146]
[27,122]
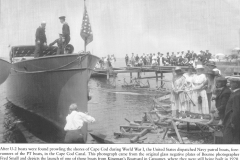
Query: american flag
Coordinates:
[86,30]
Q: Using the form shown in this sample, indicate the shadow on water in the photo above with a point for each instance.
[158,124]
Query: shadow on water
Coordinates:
[35,125]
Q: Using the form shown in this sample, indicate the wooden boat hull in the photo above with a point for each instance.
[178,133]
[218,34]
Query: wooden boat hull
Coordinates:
[50,93]
[5,68]
[101,73]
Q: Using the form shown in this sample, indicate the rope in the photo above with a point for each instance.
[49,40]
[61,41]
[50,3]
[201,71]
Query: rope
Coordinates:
[55,69]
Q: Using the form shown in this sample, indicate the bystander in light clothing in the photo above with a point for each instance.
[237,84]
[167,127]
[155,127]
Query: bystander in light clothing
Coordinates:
[75,121]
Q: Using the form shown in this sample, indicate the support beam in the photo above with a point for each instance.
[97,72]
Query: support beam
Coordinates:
[161,79]
[130,77]
[108,74]
[156,79]
[139,74]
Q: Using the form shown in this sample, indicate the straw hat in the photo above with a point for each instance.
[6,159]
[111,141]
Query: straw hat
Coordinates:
[234,78]
[178,68]
[199,66]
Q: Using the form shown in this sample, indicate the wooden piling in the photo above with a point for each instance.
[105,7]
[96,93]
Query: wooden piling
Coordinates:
[108,74]
[130,77]
[157,79]
[161,79]
[138,74]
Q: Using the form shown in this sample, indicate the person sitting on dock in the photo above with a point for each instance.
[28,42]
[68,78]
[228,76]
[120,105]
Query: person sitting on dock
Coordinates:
[75,121]
[59,42]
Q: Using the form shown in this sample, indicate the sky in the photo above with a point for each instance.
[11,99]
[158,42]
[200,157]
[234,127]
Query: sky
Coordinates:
[123,27]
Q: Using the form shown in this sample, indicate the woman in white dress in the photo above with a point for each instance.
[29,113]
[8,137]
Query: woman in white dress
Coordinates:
[189,106]
[178,97]
[199,92]
[154,60]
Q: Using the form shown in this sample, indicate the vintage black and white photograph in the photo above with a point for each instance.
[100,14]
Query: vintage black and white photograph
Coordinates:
[120,71]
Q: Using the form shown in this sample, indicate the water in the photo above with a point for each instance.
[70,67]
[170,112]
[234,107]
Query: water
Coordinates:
[110,105]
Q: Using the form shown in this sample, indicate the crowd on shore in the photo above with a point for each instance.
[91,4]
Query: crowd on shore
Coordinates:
[106,62]
[201,90]
[159,59]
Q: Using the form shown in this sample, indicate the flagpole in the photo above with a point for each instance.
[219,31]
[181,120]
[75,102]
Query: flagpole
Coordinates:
[85,46]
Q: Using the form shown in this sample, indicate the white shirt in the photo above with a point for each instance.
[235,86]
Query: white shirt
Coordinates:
[215,69]
[76,119]
[235,90]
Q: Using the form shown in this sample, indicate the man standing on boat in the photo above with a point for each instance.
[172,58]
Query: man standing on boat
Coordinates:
[40,40]
[65,31]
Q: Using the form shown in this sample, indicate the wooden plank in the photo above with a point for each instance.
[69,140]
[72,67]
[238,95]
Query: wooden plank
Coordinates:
[176,130]
[126,71]
[197,121]
[164,80]
[138,127]
[165,133]
[165,97]
[155,122]
[160,105]
[30,138]
[136,138]
[120,134]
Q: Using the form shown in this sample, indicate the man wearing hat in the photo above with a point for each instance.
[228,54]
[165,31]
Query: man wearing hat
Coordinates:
[167,59]
[222,93]
[59,42]
[210,74]
[209,55]
[231,121]
[65,31]
[212,66]
[40,40]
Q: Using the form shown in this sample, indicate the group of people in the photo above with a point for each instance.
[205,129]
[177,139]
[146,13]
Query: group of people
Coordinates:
[203,89]
[107,62]
[62,41]
[178,59]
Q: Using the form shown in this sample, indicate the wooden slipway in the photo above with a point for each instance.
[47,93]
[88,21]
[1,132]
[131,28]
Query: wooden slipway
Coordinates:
[30,138]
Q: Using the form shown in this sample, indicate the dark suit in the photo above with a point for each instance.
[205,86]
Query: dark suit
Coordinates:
[60,45]
[222,97]
[231,122]
[66,34]
[40,36]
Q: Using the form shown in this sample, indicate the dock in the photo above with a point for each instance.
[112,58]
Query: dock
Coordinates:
[158,70]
